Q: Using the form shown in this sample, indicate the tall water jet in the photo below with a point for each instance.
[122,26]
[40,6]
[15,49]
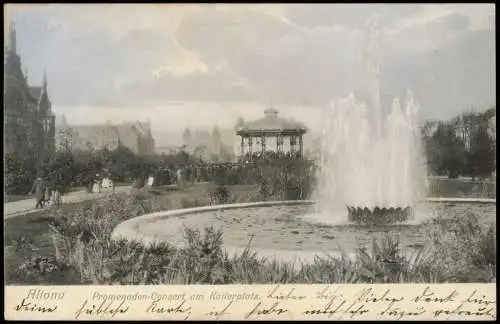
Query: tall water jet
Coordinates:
[372,168]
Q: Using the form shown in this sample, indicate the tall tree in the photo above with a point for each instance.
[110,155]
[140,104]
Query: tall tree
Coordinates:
[481,156]
[449,150]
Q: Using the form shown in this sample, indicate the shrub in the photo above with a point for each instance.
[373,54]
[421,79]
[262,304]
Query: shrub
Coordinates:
[20,172]
[202,257]
[46,270]
[464,249]
[219,196]
[384,265]
[140,182]
[285,180]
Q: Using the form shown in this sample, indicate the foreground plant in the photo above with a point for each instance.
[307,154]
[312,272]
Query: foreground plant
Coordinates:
[460,250]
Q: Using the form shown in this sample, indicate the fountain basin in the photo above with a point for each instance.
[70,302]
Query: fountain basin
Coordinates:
[279,229]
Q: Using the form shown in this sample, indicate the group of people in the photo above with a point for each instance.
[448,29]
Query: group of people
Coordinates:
[98,182]
[45,194]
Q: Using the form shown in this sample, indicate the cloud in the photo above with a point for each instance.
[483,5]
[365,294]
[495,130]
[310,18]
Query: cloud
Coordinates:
[450,79]
[429,34]
[224,35]
[216,86]
[291,65]
[349,15]
[301,55]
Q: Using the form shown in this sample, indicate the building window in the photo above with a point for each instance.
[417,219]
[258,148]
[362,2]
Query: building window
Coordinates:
[46,125]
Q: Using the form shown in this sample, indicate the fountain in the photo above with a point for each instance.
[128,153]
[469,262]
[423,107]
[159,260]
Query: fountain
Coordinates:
[370,164]
[371,181]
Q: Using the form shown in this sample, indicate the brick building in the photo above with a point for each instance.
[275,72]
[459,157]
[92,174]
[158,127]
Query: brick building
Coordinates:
[135,136]
[29,123]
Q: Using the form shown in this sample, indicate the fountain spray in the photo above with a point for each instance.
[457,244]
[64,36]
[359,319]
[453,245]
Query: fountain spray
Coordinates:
[371,162]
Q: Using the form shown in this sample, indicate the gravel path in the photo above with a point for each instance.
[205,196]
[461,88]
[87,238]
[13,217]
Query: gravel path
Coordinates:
[27,206]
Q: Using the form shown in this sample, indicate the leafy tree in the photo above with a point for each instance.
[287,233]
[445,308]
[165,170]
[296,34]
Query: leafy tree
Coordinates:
[20,172]
[58,170]
[465,145]
[17,137]
[448,151]
[481,157]
[121,163]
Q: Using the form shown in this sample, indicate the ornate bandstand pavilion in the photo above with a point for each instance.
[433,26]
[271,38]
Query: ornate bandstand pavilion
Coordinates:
[271,134]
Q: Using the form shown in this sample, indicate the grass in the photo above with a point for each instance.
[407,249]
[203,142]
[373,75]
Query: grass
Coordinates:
[71,245]
[461,188]
[29,237]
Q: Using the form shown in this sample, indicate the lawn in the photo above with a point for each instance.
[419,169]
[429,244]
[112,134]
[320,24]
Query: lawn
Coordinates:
[28,236]
[70,244]
[461,188]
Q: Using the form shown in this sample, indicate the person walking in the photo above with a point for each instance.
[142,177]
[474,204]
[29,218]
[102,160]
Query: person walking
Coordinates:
[55,195]
[38,189]
[46,196]
[90,183]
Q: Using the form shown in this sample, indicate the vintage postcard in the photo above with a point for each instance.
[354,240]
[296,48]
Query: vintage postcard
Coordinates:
[250,161]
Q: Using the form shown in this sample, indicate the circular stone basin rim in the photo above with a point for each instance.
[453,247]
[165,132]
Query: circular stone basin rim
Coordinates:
[129,228]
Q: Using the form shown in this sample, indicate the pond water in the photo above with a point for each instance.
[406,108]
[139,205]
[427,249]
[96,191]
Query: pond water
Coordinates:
[287,228]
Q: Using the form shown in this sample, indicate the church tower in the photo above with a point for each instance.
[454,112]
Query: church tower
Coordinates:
[44,103]
[12,46]
[46,116]
[13,74]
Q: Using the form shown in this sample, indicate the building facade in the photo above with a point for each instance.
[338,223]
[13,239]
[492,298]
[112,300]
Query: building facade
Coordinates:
[135,136]
[29,123]
[209,146]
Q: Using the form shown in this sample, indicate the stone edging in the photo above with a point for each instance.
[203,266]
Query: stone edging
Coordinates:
[128,228]
[463,200]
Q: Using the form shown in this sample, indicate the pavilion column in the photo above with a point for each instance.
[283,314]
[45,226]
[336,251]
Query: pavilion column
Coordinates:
[263,144]
[242,146]
[250,143]
[301,145]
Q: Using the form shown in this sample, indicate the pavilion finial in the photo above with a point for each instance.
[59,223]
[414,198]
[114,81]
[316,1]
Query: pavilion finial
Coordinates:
[270,112]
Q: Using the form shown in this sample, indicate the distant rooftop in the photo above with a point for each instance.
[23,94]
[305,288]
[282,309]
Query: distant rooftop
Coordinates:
[142,128]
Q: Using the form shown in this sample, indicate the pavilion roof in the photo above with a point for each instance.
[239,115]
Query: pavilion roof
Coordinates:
[272,123]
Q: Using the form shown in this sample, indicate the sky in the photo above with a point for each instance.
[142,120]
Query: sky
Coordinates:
[196,65]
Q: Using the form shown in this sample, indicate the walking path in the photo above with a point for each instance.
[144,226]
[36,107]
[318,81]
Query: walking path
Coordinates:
[27,206]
